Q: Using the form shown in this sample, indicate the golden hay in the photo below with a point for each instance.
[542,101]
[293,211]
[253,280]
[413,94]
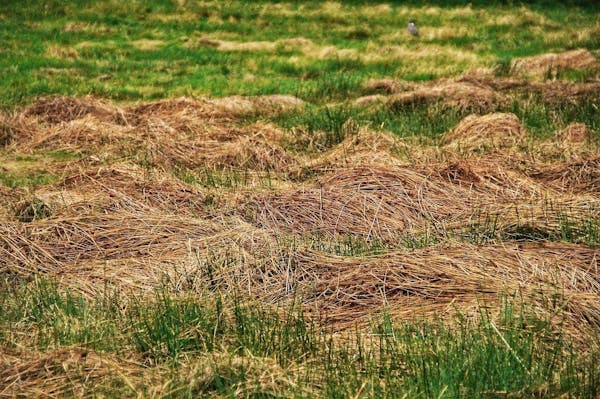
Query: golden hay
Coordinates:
[576,133]
[540,65]
[383,202]
[580,176]
[182,132]
[496,131]
[442,279]
[260,105]
[371,99]
[458,94]
[122,187]
[364,148]
[560,92]
[290,44]
[56,109]
[386,86]
[63,372]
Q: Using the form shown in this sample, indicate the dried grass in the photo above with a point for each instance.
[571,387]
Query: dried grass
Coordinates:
[442,279]
[383,202]
[465,96]
[367,148]
[576,133]
[539,65]
[495,131]
[387,86]
[579,176]
[56,109]
[58,373]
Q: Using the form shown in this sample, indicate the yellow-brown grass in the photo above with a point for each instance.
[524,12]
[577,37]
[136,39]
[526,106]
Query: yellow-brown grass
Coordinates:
[539,65]
[494,131]
[441,279]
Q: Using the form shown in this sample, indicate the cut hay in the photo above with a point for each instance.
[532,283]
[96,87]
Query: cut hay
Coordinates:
[291,44]
[65,372]
[124,249]
[465,96]
[576,133]
[367,148]
[580,176]
[260,105]
[123,187]
[561,92]
[176,133]
[383,202]
[541,65]
[58,109]
[493,131]
[440,280]
[371,100]
[386,86]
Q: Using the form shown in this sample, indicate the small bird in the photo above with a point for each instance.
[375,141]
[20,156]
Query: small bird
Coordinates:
[412,29]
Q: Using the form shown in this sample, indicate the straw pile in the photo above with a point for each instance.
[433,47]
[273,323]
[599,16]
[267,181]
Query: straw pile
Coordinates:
[386,86]
[540,65]
[56,109]
[439,280]
[465,96]
[381,202]
[364,148]
[580,176]
[58,373]
[495,131]
[576,133]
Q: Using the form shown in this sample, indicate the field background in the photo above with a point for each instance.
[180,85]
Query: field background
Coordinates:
[299,199]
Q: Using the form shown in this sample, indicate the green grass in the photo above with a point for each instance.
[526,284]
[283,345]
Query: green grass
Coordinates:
[511,353]
[86,47]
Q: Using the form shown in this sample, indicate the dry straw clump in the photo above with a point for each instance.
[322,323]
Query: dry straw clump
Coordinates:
[382,202]
[494,131]
[540,65]
[58,373]
[439,280]
[123,187]
[366,147]
[461,94]
[579,176]
[126,249]
[172,133]
[58,109]
[387,86]
[576,133]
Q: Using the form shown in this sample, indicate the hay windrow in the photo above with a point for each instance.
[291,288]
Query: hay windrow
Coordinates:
[387,86]
[576,133]
[383,202]
[346,290]
[364,148]
[59,373]
[56,109]
[124,187]
[580,176]
[494,131]
[465,96]
[539,65]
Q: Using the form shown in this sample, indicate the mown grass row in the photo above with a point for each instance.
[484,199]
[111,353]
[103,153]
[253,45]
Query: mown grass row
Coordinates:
[511,353]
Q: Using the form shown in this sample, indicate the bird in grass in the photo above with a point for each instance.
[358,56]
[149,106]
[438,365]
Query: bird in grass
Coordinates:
[412,29]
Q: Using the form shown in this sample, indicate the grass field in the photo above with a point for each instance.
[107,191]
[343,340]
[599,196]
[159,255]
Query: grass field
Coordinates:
[299,199]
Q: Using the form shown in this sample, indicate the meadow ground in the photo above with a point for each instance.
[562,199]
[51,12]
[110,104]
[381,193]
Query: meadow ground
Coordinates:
[270,199]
